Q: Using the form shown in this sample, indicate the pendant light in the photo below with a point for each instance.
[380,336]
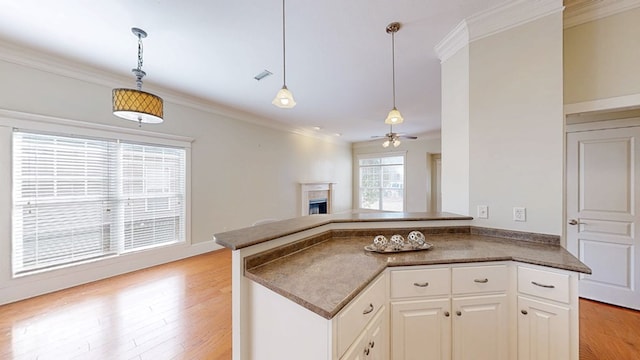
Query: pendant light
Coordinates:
[284,98]
[394,116]
[135,104]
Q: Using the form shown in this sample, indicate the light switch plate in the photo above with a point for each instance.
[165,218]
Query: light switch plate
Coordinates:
[483,212]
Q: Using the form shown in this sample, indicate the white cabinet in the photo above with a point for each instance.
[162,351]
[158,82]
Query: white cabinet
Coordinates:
[480,327]
[543,330]
[421,329]
[353,320]
[458,312]
[373,342]
[481,314]
[547,314]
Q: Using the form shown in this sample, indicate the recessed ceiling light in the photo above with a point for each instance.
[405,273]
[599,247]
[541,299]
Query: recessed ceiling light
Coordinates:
[316,128]
[263,75]
[338,134]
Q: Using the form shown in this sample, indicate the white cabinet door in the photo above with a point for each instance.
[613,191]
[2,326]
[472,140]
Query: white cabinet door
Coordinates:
[378,334]
[543,330]
[358,350]
[421,329]
[373,342]
[480,326]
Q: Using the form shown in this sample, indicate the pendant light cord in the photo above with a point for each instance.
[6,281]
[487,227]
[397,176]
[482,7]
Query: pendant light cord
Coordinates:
[393,65]
[284,46]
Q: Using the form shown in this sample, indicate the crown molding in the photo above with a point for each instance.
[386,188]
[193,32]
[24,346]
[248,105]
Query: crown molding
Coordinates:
[453,42]
[50,63]
[582,11]
[495,20]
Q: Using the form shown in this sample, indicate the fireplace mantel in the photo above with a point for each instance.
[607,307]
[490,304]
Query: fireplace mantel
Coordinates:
[311,191]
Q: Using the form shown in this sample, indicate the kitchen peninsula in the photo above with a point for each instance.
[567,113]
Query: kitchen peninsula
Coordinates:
[306,288]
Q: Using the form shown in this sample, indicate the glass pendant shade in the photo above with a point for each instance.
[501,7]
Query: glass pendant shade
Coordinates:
[394,117]
[137,105]
[396,142]
[284,99]
[386,144]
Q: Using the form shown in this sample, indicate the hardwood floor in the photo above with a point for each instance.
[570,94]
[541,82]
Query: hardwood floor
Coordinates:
[182,310]
[608,332]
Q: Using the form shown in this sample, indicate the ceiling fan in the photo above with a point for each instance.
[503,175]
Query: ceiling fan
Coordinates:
[393,138]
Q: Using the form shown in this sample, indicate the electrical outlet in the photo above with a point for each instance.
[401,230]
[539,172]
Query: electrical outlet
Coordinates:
[519,214]
[483,212]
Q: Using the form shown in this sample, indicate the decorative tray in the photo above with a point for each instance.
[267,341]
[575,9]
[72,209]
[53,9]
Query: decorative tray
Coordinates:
[407,247]
[415,242]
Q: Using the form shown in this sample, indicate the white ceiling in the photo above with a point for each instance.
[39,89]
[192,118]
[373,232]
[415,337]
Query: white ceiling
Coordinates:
[338,53]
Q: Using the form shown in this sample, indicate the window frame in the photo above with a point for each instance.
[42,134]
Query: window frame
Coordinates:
[74,128]
[402,154]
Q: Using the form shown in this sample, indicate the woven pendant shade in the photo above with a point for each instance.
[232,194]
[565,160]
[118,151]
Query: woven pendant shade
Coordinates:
[137,105]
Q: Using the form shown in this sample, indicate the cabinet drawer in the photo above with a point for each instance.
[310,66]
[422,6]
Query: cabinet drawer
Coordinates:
[478,279]
[355,316]
[545,284]
[420,282]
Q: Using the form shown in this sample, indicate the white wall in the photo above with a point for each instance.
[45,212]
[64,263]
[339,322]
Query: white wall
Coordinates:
[455,133]
[507,141]
[241,172]
[417,167]
[602,57]
[516,126]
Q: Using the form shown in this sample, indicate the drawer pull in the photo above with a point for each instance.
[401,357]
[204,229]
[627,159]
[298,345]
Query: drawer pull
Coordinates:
[368,310]
[458,313]
[446,314]
[424,284]
[481,281]
[372,344]
[543,285]
[366,351]
[524,312]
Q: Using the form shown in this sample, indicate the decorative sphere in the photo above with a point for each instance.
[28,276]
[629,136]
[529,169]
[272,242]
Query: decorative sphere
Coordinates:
[416,239]
[380,242]
[397,242]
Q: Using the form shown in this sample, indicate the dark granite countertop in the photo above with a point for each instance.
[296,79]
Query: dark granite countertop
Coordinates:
[326,276]
[238,239]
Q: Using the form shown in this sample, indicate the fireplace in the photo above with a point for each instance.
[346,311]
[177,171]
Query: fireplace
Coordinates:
[318,206]
[316,198]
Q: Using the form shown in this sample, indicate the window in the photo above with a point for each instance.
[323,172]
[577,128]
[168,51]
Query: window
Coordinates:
[382,182]
[78,198]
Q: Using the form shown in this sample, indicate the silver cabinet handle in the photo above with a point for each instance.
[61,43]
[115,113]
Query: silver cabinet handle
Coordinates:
[368,310]
[458,313]
[524,312]
[446,314]
[424,284]
[543,285]
[482,281]
[574,222]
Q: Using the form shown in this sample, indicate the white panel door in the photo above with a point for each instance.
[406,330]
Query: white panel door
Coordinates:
[602,212]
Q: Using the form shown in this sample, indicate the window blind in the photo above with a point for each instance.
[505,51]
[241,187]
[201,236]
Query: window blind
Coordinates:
[78,198]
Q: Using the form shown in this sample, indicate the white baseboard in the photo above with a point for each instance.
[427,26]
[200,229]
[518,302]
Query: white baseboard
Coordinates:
[28,286]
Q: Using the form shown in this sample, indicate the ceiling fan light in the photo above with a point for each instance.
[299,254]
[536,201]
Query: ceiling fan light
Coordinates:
[396,142]
[394,117]
[386,144]
[284,99]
